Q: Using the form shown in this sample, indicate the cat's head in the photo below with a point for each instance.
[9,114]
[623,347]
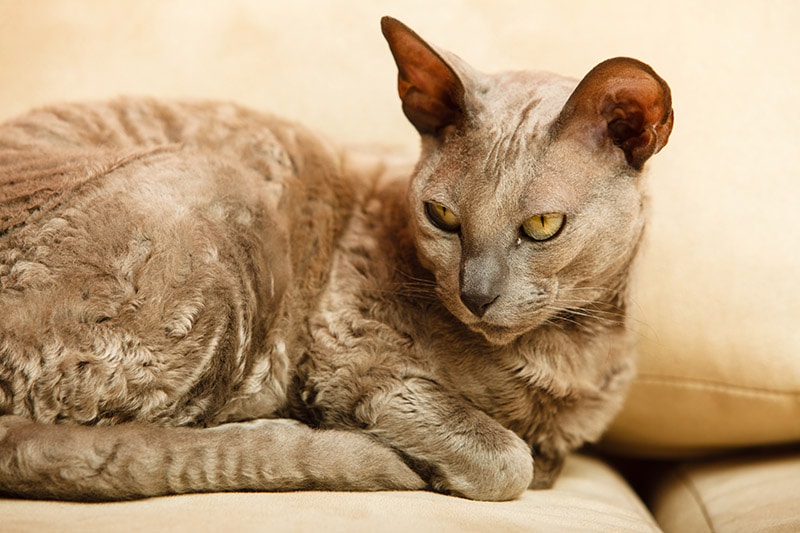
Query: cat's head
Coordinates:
[527,199]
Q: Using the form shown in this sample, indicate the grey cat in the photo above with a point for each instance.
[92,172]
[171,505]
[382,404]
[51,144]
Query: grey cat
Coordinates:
[199,297]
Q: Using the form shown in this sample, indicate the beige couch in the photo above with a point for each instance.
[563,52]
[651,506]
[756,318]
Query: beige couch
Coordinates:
[718,296]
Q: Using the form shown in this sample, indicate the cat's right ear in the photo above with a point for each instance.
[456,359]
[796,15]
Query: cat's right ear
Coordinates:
[431,91]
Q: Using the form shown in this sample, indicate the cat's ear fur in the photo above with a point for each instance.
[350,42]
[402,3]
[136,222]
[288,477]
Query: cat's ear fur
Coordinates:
[431,91]
[621,102]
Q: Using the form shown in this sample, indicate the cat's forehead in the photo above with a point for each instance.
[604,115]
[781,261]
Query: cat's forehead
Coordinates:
[502,157]
[527,102]
[514,117]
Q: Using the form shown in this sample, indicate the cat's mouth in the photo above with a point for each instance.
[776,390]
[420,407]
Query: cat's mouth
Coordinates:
[496,326]
[501,325]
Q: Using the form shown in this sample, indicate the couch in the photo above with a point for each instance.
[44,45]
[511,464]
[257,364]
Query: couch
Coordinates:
[708,439]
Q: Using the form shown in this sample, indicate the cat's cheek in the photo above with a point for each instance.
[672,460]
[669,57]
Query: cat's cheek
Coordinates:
[432,250]
[437,256]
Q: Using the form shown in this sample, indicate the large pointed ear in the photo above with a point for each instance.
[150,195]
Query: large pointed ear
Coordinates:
[431,92]
[621,102]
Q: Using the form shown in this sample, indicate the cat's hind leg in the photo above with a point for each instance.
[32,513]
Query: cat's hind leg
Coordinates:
[132,461]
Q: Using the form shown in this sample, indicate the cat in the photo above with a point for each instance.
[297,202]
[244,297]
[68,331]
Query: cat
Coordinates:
[200,297]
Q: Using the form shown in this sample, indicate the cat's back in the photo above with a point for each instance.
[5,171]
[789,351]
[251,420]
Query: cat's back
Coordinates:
[146,251]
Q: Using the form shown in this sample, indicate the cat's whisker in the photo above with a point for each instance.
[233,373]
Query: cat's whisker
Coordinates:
[605,289]
[413,278]
[568,314]
[581,303]
[594,311]
[601,291]
[559,320]
[586,302]
[614,317]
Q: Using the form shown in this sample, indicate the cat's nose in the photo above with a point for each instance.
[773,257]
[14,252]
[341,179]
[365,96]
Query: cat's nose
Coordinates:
[478,302]
[481,279]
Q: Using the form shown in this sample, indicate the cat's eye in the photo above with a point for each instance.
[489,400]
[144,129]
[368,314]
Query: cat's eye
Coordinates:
[442,217]
[543,227]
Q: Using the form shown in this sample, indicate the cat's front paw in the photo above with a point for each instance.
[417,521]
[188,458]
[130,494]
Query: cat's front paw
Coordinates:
[501,471]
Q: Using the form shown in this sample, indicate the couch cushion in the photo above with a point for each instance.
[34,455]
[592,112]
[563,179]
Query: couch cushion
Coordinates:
[717,298]
[757,493]
[589,496]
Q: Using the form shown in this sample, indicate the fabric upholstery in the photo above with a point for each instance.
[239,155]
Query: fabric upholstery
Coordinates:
[589,496]
[752,493]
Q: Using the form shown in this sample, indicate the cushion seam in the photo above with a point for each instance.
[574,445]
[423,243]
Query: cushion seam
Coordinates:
[684,478]
[711,385]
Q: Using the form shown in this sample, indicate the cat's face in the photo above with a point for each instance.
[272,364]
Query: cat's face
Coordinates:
[527,199]
[516,227]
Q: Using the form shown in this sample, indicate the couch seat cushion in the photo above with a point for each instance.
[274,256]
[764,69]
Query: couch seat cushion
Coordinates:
[589,496]
[754,494]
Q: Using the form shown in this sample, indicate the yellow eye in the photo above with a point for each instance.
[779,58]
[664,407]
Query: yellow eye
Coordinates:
[543,227]
[442,217]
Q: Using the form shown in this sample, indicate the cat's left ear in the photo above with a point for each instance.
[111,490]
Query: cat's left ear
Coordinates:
[621,103]
[431,91]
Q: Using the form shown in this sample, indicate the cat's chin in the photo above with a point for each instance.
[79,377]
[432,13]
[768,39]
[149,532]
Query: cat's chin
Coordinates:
[497,335]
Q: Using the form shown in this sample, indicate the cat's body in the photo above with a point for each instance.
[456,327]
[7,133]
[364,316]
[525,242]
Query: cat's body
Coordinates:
[166,264]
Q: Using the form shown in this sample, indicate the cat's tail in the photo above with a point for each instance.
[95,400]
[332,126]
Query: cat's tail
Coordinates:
[133,461]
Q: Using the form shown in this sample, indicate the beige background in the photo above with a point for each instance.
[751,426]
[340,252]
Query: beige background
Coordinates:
[718,301]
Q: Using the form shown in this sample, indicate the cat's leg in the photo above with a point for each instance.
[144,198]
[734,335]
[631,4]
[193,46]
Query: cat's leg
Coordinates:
[131,461]
[465,451]
[459,449]
[549,459]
